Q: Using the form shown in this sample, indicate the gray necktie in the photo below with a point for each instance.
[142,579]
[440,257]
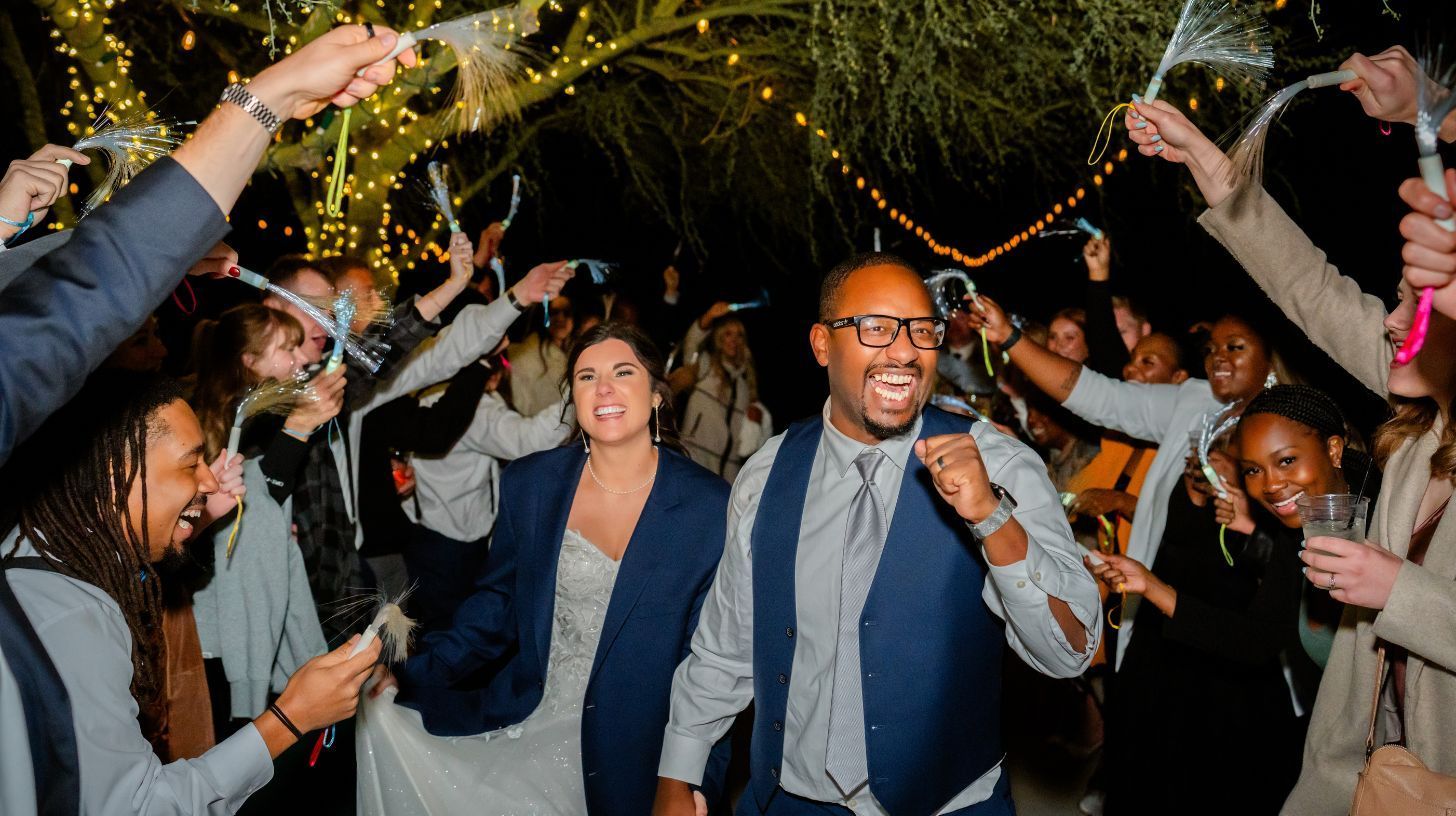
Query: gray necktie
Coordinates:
[863,543]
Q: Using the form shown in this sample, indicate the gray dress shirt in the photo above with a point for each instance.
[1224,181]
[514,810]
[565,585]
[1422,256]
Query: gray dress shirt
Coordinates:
[87,638]
[715,682]
[458,492]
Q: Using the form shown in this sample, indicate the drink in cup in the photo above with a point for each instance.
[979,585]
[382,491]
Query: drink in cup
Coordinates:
[1338,515]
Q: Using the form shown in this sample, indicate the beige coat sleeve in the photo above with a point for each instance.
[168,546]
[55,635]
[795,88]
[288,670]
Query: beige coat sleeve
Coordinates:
[1419,597]
[1331,309]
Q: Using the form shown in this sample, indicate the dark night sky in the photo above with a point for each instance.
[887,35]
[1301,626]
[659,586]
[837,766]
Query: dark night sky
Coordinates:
[1331,167]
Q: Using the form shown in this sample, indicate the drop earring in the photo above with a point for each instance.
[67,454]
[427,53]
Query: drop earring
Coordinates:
[657,420]
[585,445]
[1271,380]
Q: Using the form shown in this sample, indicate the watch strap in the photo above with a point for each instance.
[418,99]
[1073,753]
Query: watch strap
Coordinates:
[1012,339]
[998,518]
[253,106]
[515,301]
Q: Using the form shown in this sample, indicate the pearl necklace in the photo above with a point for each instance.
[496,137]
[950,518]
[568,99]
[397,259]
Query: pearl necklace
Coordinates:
[593,473]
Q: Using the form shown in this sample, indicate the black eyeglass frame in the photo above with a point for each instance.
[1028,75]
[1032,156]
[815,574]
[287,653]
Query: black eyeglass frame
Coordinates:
[900,323]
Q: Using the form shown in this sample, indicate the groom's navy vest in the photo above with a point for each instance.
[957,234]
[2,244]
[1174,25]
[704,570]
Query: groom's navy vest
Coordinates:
[930,650]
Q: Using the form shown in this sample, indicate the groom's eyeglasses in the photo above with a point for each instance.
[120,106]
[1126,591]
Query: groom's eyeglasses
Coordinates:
[879,331]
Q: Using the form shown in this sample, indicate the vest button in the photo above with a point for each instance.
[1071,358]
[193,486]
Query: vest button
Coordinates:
[778,725]
[789,631]
[783,679]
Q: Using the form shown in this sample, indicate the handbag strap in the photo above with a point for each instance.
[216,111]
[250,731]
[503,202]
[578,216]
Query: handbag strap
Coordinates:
[1375,702]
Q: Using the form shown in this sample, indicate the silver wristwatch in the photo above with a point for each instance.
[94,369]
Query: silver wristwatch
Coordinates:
[990,524]
[237,94]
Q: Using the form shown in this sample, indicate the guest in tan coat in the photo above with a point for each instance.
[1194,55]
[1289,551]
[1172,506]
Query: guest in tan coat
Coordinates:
[1401,586]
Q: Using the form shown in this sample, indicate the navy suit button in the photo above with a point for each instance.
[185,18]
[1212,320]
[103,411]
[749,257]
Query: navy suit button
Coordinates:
[778,725]
[789,631]
[774,772]
[783,679]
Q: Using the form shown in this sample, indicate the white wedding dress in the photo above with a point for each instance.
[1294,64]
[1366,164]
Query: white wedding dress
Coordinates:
[533,767]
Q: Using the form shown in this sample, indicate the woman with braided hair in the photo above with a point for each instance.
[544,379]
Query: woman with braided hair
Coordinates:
[1291,442]
[110,488]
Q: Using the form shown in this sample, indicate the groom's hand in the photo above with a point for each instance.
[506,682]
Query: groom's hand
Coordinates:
[955,464]
[674,798]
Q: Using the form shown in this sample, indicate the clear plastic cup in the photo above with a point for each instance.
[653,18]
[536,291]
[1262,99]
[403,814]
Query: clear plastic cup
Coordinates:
[1338,515]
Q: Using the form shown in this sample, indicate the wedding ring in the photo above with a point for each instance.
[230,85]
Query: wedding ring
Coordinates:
[940,460]
[369,29]
[1330,585]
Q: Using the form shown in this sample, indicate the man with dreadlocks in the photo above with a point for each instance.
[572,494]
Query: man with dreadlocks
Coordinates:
[106,492]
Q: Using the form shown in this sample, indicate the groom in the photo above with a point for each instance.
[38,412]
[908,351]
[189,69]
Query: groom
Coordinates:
[873,555]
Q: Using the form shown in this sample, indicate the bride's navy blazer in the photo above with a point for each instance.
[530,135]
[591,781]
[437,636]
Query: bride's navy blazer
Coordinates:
[507,623]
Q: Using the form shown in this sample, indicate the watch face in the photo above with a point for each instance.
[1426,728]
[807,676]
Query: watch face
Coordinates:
[1003,493]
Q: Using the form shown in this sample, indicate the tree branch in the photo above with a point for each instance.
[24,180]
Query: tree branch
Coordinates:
[246,19]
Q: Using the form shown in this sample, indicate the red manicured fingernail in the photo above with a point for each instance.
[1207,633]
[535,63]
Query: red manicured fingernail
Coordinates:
[234,272]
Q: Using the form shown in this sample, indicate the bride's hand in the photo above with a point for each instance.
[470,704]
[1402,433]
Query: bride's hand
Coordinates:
[382,679]
[701,803]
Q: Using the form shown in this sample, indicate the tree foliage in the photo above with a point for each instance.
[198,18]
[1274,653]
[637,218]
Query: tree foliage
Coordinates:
[691,102]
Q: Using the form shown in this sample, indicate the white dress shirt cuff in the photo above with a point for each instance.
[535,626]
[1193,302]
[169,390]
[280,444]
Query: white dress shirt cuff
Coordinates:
[683,757]
[1040,576]
[240,765]
[1013,582]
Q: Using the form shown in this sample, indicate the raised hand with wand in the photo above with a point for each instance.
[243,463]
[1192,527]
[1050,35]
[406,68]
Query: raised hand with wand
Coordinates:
[31,185]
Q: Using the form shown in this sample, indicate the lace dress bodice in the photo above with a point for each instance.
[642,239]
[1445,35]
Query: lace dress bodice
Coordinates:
[584,580]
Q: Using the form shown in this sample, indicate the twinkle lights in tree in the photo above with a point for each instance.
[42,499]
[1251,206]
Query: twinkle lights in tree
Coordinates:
[732,69]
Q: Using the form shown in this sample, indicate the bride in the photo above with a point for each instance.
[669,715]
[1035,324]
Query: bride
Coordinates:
[549,694]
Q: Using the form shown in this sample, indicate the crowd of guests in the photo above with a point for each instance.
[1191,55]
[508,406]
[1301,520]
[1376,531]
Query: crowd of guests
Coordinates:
[582,502]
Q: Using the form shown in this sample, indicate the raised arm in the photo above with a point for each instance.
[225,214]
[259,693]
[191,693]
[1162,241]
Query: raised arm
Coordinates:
[1047,370]
[60,318]
[1331,309]
[476,330]
[1140,411]
[500,432]
[77,303]
[222,155]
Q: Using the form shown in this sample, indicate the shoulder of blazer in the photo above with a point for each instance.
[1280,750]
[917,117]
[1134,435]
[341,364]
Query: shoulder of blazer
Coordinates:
[697,486]
[526,472]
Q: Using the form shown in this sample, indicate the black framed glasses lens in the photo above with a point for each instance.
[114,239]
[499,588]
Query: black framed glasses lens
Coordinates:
[879,331]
